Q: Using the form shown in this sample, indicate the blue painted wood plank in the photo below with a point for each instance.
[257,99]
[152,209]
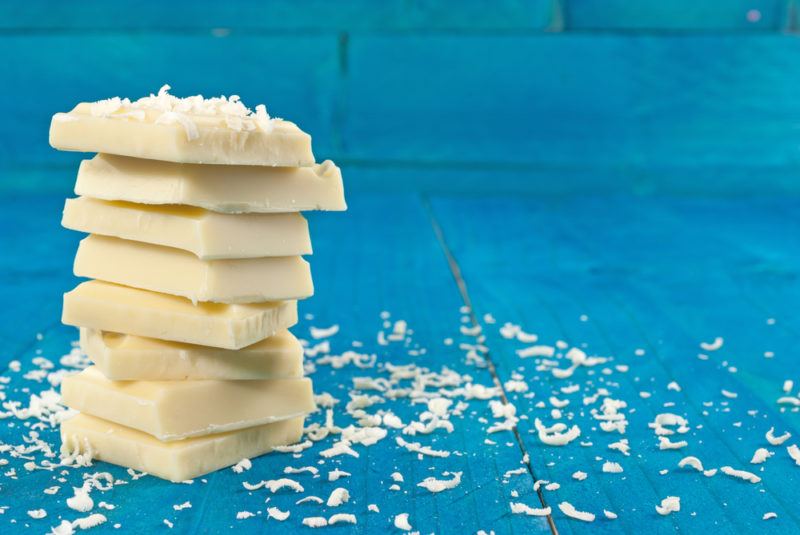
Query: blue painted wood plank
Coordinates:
[489,99]
[40,266]
[696,302]
[677,15]
[692,109]
[648,274]
[734,180]
[489,280]
[281,15]
[379,256]
[386,250]
[296,76]
[548,114]
[572,101]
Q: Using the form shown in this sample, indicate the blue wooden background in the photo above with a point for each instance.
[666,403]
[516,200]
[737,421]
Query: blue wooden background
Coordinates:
[550,96]
[621,174]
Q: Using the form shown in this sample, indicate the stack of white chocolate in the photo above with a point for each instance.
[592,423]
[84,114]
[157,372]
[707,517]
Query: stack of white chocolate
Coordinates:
[195,249]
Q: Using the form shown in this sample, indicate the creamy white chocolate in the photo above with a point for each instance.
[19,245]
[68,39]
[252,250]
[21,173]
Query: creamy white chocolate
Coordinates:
[208,235]
[229,189]
[111,307]
[176,272]
[178,460]
[124,357]
[174,410]
[188,138]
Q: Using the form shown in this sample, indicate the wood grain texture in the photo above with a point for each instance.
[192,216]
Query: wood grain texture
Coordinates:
[677,15]
[566,101]
[657,274]
[401,15]
[443,111]
[380,255]
[661,275]
[295,75]
[281,15]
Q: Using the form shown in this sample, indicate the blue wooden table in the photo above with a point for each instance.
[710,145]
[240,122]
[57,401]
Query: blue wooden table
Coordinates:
[640,281]
[613,176]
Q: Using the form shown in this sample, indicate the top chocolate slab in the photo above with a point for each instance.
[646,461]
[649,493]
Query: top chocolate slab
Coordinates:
[219,130]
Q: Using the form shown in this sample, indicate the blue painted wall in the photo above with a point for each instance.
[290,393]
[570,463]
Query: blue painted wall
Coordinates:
[546,96]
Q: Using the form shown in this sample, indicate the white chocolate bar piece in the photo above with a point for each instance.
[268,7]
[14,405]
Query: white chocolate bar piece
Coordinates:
[176,272]
[124,357]
[188,139]
[179,460]
[111,307]
[228,189]
[174,410]
[208,235]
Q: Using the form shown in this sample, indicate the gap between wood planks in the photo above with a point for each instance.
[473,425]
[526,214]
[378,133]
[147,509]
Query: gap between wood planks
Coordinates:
[455,270]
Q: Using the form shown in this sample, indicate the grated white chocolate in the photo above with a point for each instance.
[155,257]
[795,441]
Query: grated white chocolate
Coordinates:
[171,109]
[192,129]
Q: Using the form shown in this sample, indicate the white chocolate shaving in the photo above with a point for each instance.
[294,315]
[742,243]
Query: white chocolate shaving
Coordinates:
[691,461]
[665,443]
[315,521]
[401,522]
[741,474]
[274,485]
[612,467]
[241,466]
[777,441]
[416,447]
[307,499]
[89,522]
[337,474]
[171,109]
[712,346]
[277,514]
[569,510]
[761,455]
[557,434]
[670,504]
[81,501]
[338,497]
[518,508]
[438,485]
[342,518]
[794,453]
[182,506]
[327,332]
[303,469]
